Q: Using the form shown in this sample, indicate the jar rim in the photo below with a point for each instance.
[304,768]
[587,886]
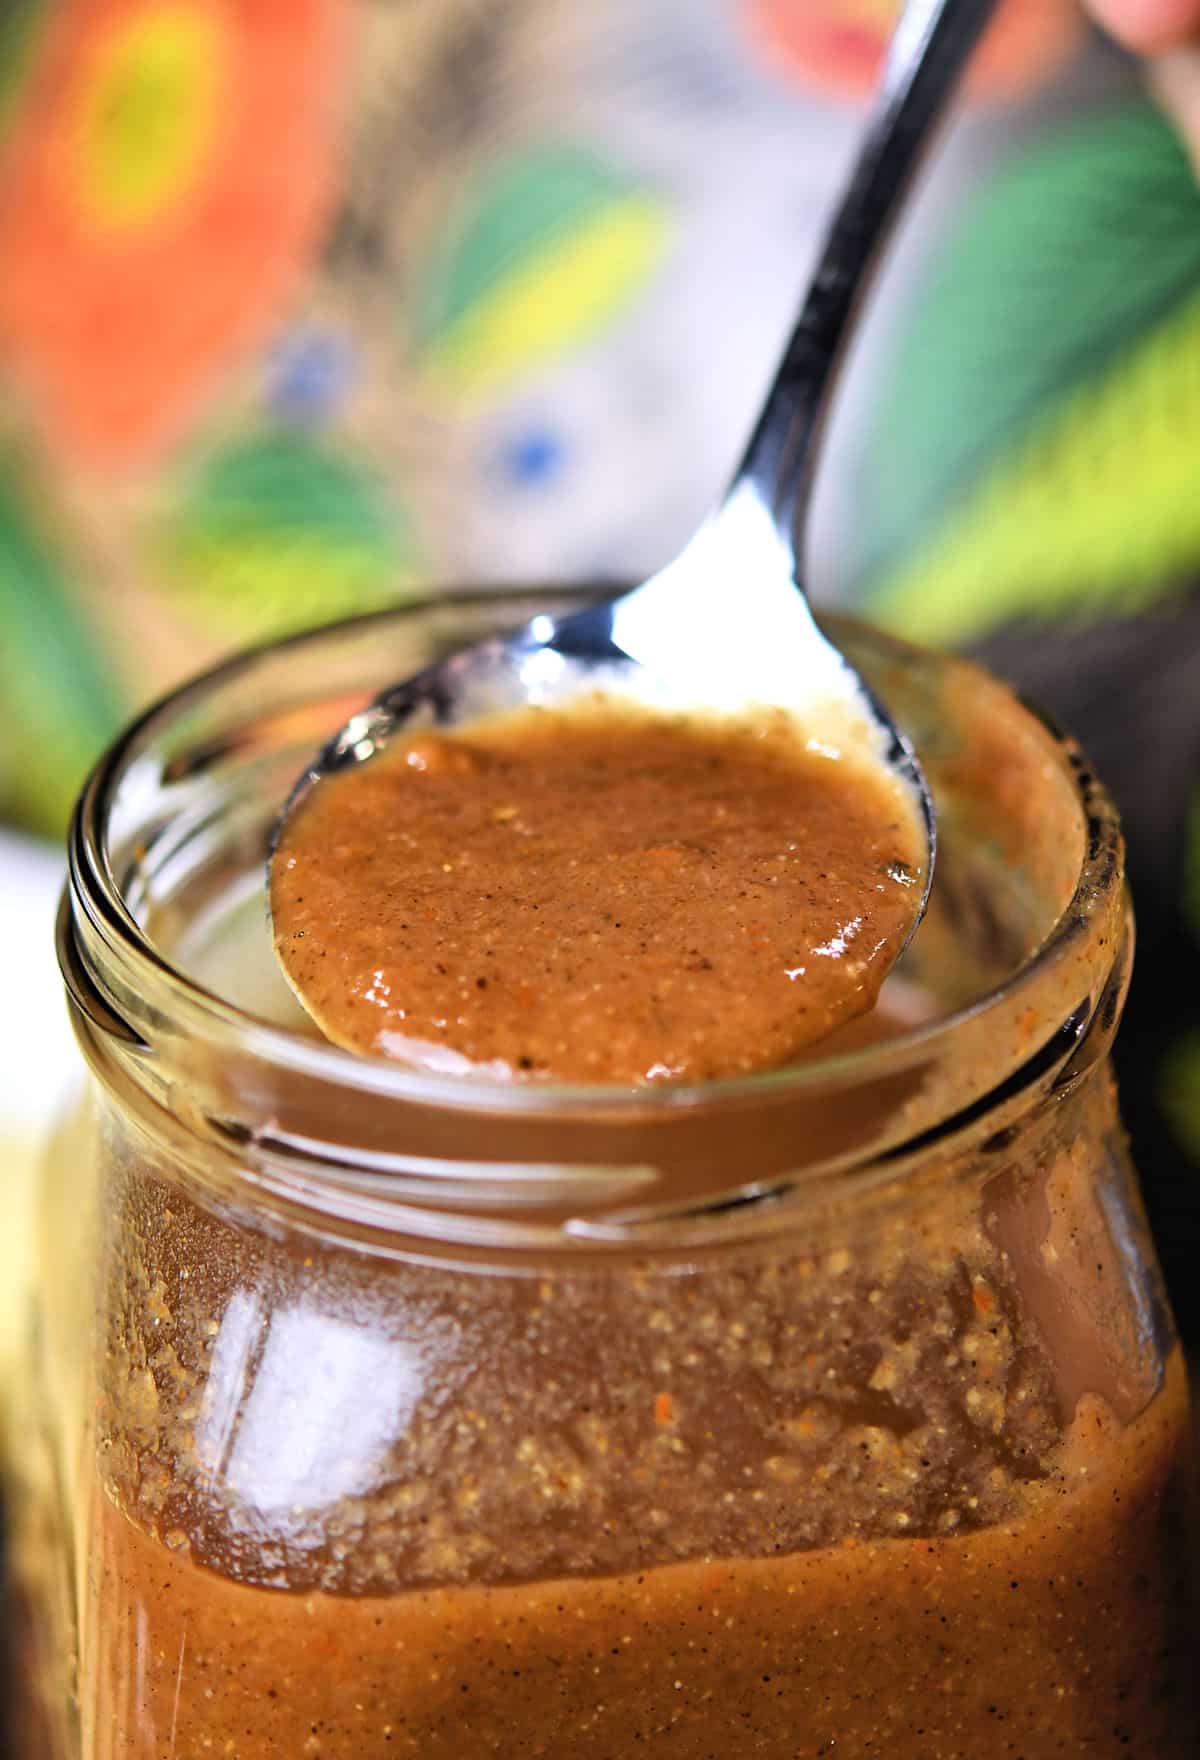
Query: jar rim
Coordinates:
[96,913]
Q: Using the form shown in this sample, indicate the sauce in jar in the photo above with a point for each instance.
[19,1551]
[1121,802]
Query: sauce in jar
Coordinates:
[1037,1635]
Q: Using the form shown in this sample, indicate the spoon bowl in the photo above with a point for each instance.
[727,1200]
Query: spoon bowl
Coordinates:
[726,626]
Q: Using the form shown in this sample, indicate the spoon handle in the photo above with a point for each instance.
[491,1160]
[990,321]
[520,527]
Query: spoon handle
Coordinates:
[932,43]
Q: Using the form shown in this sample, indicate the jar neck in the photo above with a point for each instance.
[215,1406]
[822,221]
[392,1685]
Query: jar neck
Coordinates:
[280,1120]
[704,1171]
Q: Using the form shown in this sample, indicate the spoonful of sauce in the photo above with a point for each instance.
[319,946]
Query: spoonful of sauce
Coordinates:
[669,837]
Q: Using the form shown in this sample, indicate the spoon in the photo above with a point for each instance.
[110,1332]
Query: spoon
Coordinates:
[727,625]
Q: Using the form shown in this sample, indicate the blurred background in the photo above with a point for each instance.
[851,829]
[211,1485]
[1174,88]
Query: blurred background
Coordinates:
[306,305]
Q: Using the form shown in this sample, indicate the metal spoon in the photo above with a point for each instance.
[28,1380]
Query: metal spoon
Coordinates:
[726,625]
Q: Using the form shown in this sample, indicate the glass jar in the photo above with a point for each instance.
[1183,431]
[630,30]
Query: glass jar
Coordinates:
[833,1410]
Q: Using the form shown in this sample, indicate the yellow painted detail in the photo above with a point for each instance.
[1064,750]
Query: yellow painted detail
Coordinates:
[1097,509]
[272,583]
[557,297]
[148,117]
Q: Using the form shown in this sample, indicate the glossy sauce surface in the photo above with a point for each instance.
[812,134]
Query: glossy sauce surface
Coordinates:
[597,894]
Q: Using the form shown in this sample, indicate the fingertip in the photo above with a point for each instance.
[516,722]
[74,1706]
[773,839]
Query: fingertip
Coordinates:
[1148,26]
[1175,78]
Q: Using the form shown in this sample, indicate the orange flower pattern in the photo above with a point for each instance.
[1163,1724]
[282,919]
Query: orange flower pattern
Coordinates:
[167,174]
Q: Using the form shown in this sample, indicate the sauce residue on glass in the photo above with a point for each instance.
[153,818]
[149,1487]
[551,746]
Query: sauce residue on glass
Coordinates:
[597,893]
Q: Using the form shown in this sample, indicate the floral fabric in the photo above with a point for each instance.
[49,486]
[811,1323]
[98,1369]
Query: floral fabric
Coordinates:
[305,304]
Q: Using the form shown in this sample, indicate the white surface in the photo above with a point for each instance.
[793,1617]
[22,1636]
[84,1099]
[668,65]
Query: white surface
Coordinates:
[38,1059]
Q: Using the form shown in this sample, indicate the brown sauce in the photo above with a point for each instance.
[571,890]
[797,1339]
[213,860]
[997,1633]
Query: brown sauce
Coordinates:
[597,895]
[1049,1634]
[861,1499]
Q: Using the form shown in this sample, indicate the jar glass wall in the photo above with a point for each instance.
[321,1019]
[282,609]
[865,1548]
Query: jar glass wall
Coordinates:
[835,1409]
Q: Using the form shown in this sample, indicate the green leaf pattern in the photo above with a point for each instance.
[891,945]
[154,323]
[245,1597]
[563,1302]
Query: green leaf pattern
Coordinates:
[61,701]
